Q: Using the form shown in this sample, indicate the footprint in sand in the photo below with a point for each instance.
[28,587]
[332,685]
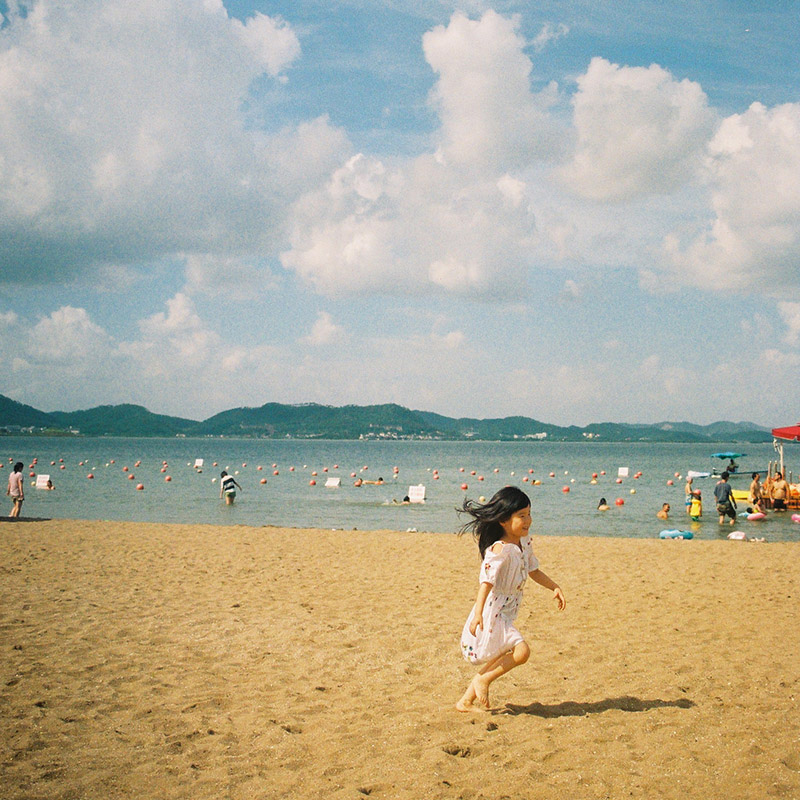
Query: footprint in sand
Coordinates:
[455,750]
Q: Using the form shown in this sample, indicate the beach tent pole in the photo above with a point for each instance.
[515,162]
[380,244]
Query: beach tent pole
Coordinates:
[778,447]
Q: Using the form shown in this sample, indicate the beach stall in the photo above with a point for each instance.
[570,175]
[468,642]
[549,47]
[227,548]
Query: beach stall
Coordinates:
[790,433]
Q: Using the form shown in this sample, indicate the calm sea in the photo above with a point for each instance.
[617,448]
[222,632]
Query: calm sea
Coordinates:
[288,499]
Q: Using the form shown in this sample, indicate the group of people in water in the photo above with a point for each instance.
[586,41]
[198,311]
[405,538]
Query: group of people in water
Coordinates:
[228,486]
[772,493]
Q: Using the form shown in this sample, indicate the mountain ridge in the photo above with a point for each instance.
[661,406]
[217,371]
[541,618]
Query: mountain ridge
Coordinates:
[381,421]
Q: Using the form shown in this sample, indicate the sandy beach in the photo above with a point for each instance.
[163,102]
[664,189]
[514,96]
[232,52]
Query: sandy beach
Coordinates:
[166,661]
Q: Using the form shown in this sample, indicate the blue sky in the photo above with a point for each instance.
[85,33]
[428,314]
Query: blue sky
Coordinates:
[578,211]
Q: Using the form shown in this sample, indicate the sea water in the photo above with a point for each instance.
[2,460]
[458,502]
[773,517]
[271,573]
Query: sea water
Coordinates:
[289,499]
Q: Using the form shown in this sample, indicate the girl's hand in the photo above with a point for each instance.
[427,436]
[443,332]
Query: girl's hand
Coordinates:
[474,624]
[559,596]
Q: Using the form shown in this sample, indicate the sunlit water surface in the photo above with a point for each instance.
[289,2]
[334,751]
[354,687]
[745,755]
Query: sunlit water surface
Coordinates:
[288,499]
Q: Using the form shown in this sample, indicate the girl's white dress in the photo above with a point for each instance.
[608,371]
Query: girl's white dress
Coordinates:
[507,571]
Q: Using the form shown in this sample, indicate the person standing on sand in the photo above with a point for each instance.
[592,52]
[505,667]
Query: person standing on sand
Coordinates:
[726,505]
[16,490]
[489,638]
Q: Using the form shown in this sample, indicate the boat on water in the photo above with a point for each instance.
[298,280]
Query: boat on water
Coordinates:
[733,469]
[735,472]
[740,476]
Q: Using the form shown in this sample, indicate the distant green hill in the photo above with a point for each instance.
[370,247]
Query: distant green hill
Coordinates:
[317,421]
[387,421]
[121,420]
[17,415]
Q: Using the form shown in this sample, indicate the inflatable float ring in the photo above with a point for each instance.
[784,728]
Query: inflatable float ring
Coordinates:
[675,535]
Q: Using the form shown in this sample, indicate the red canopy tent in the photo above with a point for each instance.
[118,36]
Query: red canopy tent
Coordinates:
[790,433]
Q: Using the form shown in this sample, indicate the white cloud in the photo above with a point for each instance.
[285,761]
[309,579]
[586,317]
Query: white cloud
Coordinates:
[753,239]
[177,337]
[554,387]
[304,156]
[775,359]
[362,179]
[272,41]
[475,216]
[512,190]
[429,226]
[458,221]
[490,118]
[56,357]
[639,131]
[452,340]
[69,337]
[790,313]
[549,34]
[572,291]
[324,331]
[123,133]
[238,279]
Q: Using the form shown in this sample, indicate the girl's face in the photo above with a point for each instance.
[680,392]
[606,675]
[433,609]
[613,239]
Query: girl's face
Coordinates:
[517,525]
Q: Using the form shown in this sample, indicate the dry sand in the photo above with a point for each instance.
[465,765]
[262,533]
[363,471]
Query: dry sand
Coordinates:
[166,661]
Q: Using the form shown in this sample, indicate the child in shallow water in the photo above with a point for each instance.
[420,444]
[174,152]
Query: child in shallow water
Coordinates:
[696,507]
[489,638]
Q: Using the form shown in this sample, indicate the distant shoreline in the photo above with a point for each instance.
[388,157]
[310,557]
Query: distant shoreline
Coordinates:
[597,440]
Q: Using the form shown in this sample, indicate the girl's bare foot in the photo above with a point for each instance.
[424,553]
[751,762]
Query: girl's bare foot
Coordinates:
[481,688]
[465,705]
[467,700]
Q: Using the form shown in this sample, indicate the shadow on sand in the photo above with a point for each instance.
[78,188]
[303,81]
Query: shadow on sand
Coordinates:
[574,709]
[17,520]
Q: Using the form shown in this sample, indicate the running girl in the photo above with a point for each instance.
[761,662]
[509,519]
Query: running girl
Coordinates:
[489,638]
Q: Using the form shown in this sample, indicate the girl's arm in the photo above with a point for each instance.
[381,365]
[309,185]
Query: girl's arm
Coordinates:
[477,615]
[548,583]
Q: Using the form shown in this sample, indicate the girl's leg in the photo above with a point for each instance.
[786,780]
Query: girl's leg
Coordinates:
[470,695]
[494,669]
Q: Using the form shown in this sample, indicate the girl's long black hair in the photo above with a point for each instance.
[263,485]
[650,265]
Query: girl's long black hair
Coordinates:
[486,517]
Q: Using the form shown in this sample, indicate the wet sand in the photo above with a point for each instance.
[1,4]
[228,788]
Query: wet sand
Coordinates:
[168,661]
